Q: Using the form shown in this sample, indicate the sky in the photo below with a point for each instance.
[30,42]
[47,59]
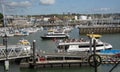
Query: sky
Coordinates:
[38,7]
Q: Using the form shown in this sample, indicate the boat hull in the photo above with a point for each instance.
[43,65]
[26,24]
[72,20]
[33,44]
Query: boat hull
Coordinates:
[82,46]
[43,37]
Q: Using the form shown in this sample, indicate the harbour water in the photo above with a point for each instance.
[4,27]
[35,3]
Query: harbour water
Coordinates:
[49,46]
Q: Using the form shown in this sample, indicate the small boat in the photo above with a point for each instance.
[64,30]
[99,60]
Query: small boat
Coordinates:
[21,33]
[51,34]
[22,44]
[72,45]
[67,29]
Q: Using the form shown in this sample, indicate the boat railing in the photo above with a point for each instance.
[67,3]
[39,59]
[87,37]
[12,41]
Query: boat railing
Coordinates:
[72,41]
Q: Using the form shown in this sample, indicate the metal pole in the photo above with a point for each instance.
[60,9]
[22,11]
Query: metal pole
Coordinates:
[94,41]
[34,56]
[90,45]
[114,66]
[91,40]
[6,47]
[6,61]
[3,41]
[3,8]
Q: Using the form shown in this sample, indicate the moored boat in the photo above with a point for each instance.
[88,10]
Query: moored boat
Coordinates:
[72,45]
[23,44]
[51,34]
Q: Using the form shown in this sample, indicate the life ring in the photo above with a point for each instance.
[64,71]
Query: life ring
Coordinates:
[94,60]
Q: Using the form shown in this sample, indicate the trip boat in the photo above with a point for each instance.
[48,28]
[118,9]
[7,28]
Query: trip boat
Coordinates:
[55,34]
[72,45]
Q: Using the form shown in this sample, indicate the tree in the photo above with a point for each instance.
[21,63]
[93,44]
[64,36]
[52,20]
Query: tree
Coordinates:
[1,19]
[1,16]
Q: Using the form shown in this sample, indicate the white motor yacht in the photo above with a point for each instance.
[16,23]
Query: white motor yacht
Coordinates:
[52,34]
[72,45]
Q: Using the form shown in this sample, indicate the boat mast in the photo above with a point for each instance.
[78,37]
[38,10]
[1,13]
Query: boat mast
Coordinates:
[3,10]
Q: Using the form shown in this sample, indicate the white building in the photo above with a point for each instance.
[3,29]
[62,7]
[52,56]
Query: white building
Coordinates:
[83,17]
[76,17]
[46,19]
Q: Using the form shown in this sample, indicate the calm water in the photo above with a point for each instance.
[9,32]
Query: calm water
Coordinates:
[49,46]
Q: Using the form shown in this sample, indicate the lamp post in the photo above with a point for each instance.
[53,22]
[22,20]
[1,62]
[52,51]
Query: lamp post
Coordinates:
[6,52]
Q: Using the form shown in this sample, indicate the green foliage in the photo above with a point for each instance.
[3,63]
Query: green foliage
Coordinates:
[1,15]
[1,19]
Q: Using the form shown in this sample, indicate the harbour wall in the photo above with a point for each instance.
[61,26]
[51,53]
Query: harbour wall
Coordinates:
[99,29]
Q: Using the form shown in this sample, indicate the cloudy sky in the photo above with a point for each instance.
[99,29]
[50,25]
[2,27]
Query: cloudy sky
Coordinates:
[36,7]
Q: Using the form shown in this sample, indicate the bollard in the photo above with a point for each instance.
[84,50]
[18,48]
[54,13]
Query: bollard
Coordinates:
[6,65]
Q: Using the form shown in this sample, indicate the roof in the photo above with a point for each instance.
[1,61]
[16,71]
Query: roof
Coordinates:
[94,35]
[110,51]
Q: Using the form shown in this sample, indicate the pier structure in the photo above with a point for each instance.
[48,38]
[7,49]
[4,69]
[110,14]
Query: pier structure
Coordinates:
[57,60]
[14,53]
[101,29]
[50,60]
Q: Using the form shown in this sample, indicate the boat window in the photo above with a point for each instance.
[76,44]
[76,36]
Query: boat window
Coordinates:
[54,58]
[63,47]
[66,47]
[72,58]
[55,34]
[60,47]
[89,46]
[62,58]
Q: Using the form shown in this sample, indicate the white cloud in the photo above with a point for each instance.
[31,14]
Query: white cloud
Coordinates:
[13,4]
[47,2]
[26,3]
[104,9]
[20,4]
